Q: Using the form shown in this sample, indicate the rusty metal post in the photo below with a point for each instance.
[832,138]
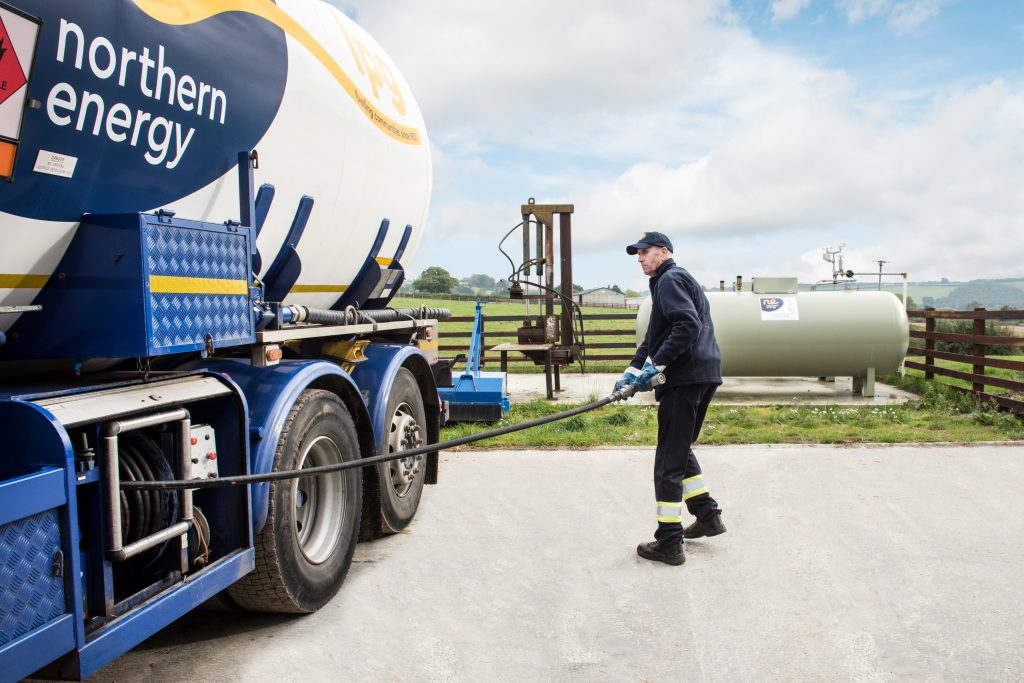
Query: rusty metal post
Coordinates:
[929,342]
[549,271]
[565,255]
[526,261]
[539,246]
[979,350]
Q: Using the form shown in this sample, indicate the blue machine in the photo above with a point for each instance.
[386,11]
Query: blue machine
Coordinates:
[476,395]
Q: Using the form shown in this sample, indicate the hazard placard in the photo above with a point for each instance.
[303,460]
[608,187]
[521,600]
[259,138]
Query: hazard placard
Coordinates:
[18,34]
[12,76]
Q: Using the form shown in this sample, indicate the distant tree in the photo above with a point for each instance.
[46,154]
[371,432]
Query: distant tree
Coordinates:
[632,293]
[464,290]
[481,281]
[615,288]
[910,301]
[576,289]
[435,280]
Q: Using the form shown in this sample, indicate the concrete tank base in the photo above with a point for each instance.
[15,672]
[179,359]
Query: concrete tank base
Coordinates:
[754,391]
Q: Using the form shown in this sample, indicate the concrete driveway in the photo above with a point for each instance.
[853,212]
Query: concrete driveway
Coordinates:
[840,564]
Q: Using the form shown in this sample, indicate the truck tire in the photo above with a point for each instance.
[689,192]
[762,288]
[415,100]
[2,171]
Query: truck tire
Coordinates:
[401,481]
[305,548]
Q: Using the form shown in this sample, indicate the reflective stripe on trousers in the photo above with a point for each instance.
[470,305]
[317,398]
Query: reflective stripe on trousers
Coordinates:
[670,512]
[694,486]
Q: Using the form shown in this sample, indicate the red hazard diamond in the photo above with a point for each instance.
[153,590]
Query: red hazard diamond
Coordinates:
[12,77]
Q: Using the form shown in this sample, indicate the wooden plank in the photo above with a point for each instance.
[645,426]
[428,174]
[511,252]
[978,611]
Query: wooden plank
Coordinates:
[1004,401]
[968,338]
[968,315]
[973,360]
[609,333]
[987,380]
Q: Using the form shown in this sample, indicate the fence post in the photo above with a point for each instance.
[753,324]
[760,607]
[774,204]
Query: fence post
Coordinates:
[929,343]
[979,350]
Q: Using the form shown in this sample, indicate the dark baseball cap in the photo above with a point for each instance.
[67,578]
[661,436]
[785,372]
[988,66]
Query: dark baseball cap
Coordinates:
[650,239]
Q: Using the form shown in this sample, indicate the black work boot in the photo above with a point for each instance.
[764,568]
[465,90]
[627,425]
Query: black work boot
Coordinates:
[670,553]
[712,526]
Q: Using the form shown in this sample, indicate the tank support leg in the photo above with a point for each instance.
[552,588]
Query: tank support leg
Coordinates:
[869,383]
[865,384]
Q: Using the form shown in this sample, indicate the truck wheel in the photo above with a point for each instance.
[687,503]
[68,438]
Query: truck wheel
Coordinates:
[305,548]
[401,481]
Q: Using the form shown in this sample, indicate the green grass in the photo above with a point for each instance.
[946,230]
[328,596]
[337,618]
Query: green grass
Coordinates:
[939,415]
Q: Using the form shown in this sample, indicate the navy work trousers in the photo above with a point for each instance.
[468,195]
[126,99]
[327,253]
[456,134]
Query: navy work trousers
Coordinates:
[681,412]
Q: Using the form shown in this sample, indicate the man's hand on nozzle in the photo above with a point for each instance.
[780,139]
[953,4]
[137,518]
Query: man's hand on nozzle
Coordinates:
[628,377]
[648,373]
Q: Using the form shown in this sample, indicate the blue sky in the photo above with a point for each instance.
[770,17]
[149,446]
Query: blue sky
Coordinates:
[754,133]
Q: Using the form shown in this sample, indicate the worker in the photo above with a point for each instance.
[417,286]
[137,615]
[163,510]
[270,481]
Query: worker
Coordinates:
[680,342]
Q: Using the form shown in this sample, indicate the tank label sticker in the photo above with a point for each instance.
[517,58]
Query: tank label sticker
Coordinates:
[779,308]
[55,164]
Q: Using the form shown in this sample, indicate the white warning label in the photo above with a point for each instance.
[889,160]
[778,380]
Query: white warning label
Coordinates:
[55,164]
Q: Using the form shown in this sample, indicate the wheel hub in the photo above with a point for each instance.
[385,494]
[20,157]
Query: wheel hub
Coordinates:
[318,501]
[405,433]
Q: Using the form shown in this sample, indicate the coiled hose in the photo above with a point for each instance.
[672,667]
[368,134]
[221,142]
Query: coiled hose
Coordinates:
[243,479]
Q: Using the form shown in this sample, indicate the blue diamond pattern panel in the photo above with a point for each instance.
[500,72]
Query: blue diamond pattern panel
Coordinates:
[183,252]
[31,594]
[182,321]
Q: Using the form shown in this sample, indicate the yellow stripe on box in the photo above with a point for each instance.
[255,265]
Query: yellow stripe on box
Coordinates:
[314,289]
[384,261]
[169,284]
[17,281]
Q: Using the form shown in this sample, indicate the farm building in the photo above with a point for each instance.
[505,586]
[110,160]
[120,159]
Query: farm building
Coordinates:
[601,296]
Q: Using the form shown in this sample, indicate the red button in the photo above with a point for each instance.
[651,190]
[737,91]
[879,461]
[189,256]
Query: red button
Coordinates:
[194,441]
[211,456]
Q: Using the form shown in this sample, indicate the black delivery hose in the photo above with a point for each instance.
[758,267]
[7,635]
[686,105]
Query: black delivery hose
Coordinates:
[242,479]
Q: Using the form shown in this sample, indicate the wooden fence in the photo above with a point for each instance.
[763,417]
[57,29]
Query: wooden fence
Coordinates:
[596,350]
[977,359]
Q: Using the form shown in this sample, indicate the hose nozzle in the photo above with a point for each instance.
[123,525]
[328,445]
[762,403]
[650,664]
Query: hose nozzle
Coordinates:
[629,390]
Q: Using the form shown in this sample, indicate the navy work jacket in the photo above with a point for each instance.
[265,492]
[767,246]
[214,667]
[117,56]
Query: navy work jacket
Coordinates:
[680,335]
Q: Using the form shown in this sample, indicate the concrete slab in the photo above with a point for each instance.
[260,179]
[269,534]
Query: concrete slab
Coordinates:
[578,388]
[841,563]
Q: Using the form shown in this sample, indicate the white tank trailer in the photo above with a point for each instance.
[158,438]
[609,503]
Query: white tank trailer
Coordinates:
[206,205]
[773,330]
[128,115]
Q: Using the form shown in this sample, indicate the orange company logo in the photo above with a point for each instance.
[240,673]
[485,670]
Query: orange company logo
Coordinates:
[12,76]
[371,66]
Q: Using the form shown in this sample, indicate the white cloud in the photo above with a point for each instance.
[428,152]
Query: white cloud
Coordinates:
[901,16]
[671,115]
[783,10]
[942,195]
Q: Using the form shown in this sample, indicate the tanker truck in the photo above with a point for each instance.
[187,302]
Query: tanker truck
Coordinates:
[207,204]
